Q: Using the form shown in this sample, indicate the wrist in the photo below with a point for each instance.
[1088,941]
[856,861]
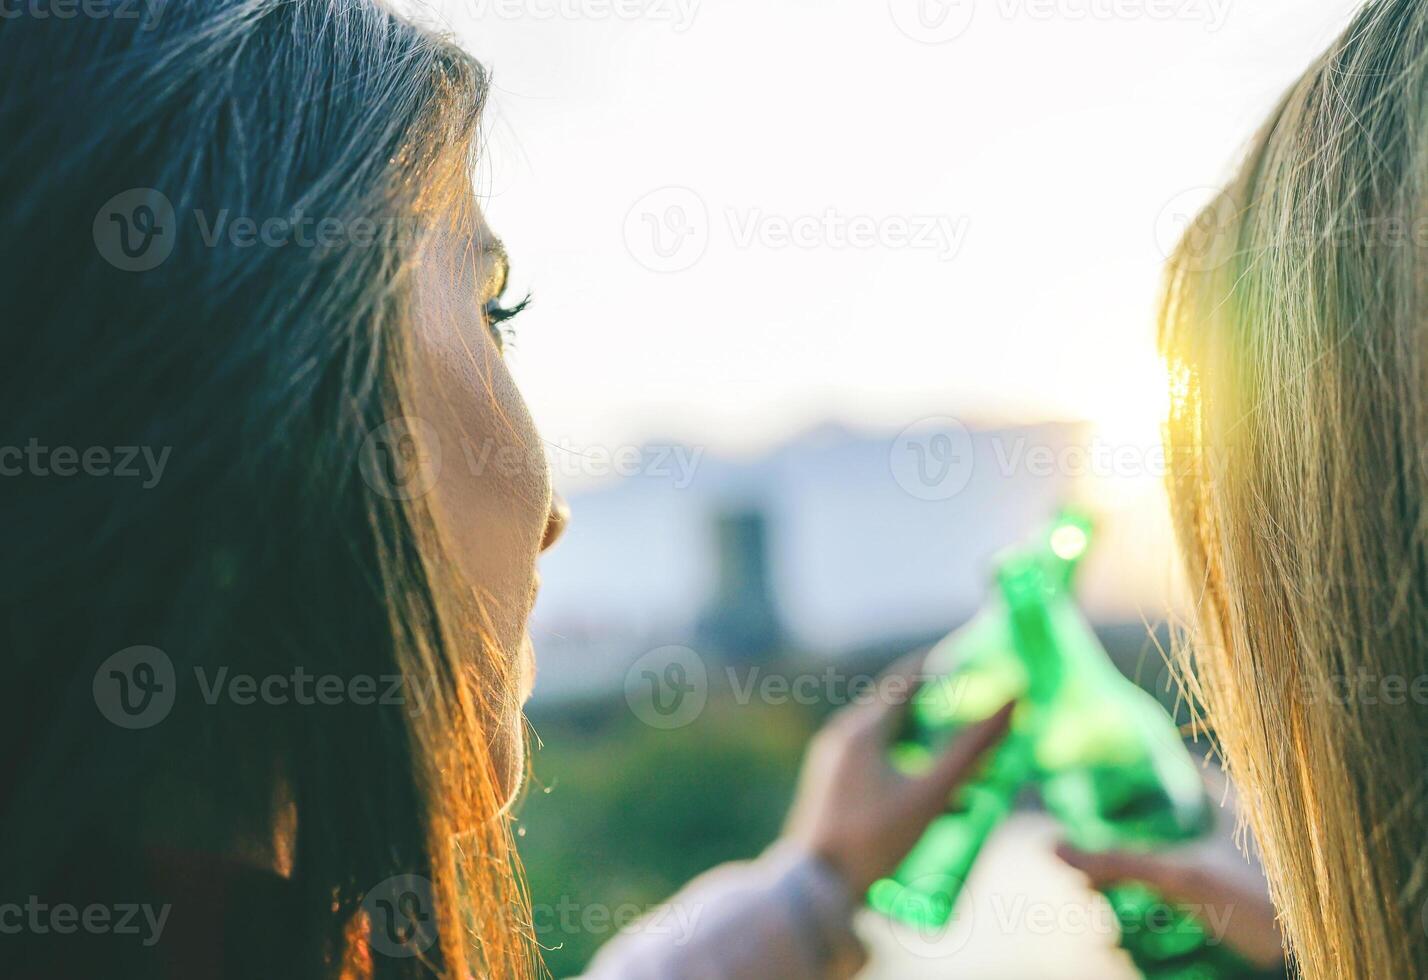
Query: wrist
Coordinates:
[837,856]
[822,901]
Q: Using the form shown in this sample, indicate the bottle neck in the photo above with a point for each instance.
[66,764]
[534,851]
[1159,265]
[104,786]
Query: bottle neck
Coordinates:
[1033,633]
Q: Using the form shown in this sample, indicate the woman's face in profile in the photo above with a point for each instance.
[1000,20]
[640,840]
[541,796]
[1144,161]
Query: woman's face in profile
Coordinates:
[492,495]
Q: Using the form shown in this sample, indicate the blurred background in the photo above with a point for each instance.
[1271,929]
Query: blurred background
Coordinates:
[832,299]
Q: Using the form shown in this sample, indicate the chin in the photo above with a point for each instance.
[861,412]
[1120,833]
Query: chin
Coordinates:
[509,757]
[527,668]
[508,741]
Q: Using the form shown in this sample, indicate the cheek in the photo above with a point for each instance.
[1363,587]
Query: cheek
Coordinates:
[490,502]
[492,495]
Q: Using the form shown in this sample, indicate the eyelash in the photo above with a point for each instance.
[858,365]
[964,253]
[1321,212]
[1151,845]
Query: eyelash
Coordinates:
[496,315]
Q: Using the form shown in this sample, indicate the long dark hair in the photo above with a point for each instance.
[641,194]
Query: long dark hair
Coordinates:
[249,378]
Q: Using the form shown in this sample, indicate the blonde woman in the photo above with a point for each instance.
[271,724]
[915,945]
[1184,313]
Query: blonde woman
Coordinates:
[1295,324]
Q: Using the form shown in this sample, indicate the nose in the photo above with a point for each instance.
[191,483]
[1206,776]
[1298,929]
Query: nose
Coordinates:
[555,521]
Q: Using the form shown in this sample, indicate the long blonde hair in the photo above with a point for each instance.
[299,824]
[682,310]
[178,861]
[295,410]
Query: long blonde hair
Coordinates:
[1293,324]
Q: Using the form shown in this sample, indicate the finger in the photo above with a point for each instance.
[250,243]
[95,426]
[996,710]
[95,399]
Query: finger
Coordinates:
[1174,881]
[1242,917]
[959,759]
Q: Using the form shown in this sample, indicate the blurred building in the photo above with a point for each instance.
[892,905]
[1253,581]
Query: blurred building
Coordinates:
[741,622]
[830,544]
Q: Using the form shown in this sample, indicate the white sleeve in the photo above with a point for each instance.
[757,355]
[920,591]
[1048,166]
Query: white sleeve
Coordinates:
[786,915]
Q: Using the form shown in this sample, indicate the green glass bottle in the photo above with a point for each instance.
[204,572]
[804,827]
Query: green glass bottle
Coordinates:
[1107,758]
[976,671]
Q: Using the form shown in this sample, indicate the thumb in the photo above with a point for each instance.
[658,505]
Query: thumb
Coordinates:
[959,759]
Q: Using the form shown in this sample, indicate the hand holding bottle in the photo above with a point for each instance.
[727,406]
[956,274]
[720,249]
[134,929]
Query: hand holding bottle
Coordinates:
[1236,908]
[853,808]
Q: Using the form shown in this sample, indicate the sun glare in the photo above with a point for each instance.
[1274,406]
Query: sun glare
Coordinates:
[1068,541]
[1127,405]
[1131,401]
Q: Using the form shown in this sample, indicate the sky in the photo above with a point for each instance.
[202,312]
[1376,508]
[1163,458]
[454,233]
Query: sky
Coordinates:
[738,218]
[741,220]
